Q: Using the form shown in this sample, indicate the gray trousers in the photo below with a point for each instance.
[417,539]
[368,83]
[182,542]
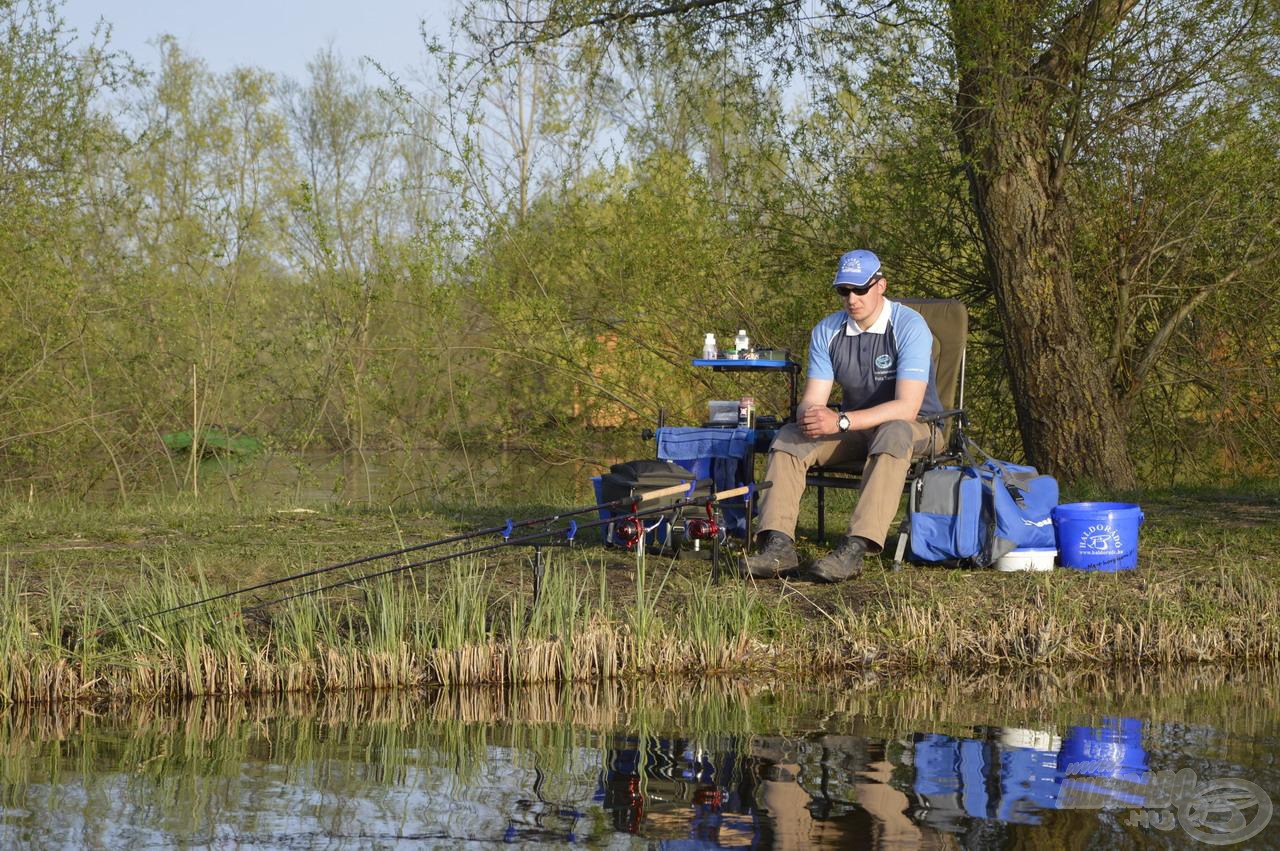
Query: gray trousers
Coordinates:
[888,449]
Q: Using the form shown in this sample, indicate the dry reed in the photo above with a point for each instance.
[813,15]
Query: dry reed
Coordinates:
[468,627]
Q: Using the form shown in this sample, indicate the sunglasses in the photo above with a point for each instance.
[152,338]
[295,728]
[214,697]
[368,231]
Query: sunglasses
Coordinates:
[846,291]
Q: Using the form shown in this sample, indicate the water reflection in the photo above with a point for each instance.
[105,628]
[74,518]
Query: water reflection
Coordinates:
[1081,761]
[1015,775]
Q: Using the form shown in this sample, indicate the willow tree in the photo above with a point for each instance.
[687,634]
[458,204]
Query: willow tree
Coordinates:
[48,131]
[1031,85]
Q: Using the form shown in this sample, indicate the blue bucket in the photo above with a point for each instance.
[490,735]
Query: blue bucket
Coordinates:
[1111,749]
[1098,535]
[1104,766]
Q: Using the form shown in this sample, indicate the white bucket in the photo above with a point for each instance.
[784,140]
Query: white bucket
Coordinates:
[1019,737]
[1028,559]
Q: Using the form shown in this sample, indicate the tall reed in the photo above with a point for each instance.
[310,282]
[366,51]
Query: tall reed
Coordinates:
[717,623]
[479,622]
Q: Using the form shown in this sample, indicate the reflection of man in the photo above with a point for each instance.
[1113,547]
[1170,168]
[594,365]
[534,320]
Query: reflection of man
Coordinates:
[803,817]
[881,355]
[787,803]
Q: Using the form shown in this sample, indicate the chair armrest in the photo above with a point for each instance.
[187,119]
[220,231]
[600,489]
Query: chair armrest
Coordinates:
[955,446]
[942,415]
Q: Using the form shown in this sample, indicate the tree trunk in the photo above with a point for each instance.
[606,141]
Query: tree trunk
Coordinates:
[1067,413]
[1016,120]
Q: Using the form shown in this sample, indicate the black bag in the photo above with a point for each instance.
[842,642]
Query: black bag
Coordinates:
[632,478]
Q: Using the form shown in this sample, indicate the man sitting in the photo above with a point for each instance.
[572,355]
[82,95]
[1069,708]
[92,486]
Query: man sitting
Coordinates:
[880,352]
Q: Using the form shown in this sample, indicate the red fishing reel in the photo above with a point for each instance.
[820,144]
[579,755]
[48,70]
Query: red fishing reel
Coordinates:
[628,531]
[702,528]
[707,528]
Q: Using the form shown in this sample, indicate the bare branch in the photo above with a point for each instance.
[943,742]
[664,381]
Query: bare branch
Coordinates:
[1077,35]
[530,31]
[1171,323]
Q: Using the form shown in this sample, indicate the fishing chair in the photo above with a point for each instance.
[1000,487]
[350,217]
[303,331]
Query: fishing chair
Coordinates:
[948,319]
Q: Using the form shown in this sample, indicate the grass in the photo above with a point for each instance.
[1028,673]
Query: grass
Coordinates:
[1206,590]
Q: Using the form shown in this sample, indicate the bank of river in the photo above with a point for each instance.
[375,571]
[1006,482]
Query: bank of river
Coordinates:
[1161,758]
[1205,590]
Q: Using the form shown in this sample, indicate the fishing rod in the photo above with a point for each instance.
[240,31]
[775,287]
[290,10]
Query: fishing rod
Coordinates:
[505,530]
[570,533]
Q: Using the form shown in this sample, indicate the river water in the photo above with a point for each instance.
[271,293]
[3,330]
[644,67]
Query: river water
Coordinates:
[1081,760]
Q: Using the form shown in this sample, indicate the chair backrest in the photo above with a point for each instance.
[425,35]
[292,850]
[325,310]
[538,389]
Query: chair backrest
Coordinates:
[948,319]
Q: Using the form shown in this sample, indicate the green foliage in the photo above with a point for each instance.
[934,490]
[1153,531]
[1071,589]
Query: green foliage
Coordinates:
[599,301]
[528,252]
[1179,252]
[193,282]
[45,91]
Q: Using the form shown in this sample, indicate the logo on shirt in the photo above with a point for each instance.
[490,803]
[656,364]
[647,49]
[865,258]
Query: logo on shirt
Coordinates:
[884,362]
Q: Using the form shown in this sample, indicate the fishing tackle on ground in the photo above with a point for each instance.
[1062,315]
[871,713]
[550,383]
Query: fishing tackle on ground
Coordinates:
[537,540]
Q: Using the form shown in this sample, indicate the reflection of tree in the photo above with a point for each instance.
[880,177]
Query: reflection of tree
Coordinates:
[659,760]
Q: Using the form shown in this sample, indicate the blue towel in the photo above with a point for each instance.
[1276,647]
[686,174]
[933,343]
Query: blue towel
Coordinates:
[688,444]
[713,453]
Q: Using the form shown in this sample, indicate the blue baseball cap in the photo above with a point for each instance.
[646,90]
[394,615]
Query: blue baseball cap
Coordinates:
[856,268]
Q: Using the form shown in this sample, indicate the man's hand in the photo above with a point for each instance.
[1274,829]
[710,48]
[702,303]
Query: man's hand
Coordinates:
[819,420]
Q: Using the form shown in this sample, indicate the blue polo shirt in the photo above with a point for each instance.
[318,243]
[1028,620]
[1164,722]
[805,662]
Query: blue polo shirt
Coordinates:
[868,363]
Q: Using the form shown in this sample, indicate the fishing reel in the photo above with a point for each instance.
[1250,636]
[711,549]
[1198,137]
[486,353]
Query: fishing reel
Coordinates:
[709,528]
[632,532]
[628,531]
[702,528]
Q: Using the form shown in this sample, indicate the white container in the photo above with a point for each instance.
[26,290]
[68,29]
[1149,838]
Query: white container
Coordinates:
[1040,740]
[722,411]
[709,347]
[742,343]
[1028,559]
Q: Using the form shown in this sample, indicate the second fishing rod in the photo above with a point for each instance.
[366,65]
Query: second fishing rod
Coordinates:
[505,530]
[536,539]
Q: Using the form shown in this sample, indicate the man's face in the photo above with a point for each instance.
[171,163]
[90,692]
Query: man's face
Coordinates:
[863,308]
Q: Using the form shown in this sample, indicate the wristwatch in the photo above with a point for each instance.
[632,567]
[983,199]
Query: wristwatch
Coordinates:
[843,422]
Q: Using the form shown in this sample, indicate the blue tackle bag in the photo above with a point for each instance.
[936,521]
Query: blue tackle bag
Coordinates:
[971,515]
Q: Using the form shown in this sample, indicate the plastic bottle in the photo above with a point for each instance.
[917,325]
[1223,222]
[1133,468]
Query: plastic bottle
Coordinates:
[709,347]
[746,412]
[742,344]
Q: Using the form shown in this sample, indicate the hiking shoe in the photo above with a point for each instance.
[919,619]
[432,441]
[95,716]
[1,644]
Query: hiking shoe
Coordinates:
[776,558]
[844,562]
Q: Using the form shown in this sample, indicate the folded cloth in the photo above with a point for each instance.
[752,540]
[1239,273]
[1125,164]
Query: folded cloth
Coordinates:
[718,454]
[688,444]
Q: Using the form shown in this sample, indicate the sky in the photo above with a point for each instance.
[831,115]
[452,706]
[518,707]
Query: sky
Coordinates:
[278,35]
